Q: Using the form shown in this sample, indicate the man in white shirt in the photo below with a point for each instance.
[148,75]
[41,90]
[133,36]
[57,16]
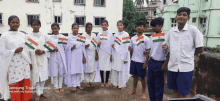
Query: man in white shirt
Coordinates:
[183,42]
[139,43]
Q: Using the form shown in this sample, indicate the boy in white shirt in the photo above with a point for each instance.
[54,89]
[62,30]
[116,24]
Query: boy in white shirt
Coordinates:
[139,43]
[183,42]
[155,74]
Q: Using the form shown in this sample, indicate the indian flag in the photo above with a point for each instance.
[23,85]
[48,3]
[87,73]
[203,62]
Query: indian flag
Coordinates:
[62,41]
[118,41]
[140,40]
[160,37]
[81,39]
[49,46]
[103,37]
[125,40]
[94,42]
[31,44]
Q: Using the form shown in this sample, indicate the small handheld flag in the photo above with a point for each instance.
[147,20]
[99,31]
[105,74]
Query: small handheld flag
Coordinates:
[81,38]
[140,40]
[126,40]
[103,37]
[117,40]
[62,41]
[31,44]
[94,42]
[160,37]
[49,46]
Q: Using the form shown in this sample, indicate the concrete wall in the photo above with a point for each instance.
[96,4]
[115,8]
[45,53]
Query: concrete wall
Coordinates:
[206,76]
[47,9]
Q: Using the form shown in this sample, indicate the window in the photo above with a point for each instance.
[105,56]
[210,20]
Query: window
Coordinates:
[0,19]
[98,20]
[175,1]
[173,22]
[99,2]
[31,18]
[194,20]
[57,19]
[79,2]
[203,22]
[80,20]
[164,1]
[155,13]
[56,0]
[148,24]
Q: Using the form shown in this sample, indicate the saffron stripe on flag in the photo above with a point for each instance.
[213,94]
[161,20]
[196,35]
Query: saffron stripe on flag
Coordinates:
[32,41]
[63,39]
[94,40]
[141,37]
[103,35]
[29,45]
[51,44]
[124,38]
[81,37]
[159,34]
[118,39]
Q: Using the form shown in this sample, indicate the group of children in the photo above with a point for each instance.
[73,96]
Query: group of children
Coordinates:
[25,63]
[70,57]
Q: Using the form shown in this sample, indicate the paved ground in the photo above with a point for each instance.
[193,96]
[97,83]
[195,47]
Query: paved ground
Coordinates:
[97,93]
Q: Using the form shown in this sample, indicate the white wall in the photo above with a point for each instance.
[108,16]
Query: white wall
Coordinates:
[47,9]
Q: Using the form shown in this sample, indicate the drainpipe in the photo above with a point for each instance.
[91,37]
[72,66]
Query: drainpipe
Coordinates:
[208,24]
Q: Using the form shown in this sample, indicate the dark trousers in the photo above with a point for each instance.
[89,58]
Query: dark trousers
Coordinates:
[155,80]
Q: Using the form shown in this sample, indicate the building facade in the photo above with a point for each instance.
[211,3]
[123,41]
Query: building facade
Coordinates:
[64,12]
[205,15]
[149,7]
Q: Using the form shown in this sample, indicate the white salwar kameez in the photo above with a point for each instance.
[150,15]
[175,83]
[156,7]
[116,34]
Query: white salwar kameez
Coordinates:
[74,61]
[39,73]
[89,74]
[16,65]
[120,70]
[57,62]
[105,51]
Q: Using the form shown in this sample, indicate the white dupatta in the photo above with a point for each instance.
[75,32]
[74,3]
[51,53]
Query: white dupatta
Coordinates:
[36,60]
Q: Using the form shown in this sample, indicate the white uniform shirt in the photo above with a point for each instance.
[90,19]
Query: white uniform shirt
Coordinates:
[182,45]
[156,51]
[137,54]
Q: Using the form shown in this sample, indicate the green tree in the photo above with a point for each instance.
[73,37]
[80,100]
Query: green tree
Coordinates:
[131,15]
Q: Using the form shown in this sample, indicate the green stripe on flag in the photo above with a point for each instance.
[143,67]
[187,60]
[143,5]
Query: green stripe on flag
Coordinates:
[103,38]
[62,43]
[126,42]
[93,43]
[80,40]
[159,40]
[48,48]
[29,45]
[140,43]
[117,42]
